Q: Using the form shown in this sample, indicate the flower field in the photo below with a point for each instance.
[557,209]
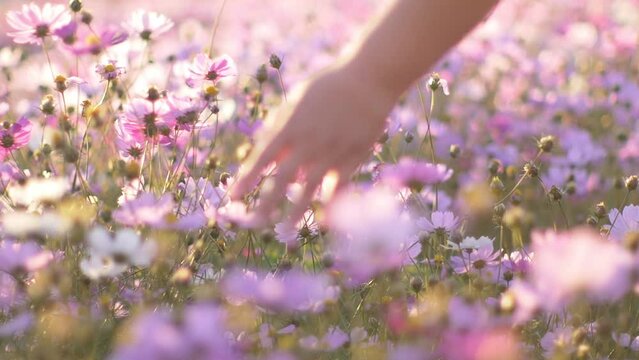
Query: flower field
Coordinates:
[496,217]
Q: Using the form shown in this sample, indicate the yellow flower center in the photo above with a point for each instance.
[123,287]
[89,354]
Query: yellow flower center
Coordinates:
[109,68]
[93,40]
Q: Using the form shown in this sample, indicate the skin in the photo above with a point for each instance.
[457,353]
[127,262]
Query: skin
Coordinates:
[332,121]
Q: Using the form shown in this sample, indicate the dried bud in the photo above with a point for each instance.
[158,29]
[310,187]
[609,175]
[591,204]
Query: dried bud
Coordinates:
[554,194]
[494,166]
[454,151]
[531,170]
[499,210]
[75,5]
[546,143]
[71,155]
[600,210]
[632,182]
[47,106]
[275,61]
[592,221]
[46,149]
[497,186]
[60,83]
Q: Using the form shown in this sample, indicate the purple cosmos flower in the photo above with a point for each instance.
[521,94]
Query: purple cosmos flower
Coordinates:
[200,334]
[625,222]
[293,290]
[26,256]
[442,221]
[146,209]
[183,112]
[414,174]
[15,136]
[206,70]
[33,23]
[147,24]
[480,261]
[17,325]
[110,71]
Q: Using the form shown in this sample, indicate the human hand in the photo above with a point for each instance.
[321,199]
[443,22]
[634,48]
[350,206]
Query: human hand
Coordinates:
[329,126]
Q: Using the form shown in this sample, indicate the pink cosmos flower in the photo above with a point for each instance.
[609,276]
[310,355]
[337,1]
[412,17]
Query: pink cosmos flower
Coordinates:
[206,70]
[480,345]
[601,270]
[415,174]
[293,290]
[147,24]
[13,137]
[33,23]
[480,261]
[371,234]
[145,120]
[183,112]
[94,42]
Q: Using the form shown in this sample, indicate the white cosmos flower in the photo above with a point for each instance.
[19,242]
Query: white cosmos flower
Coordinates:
[37,191]
[124,246]
[472,243]
[110,255]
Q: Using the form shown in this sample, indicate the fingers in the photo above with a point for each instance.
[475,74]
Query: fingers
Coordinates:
[313,180]
[271,196]
[257,162]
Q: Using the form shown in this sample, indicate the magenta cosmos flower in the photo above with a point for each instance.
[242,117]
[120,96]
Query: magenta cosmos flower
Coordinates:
[415,174]
[147,24]
[13,137]
[33,23]
[206,70]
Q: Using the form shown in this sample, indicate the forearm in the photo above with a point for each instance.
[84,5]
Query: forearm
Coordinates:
[409,37]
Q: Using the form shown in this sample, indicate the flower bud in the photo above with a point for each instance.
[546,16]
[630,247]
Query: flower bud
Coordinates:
[592,221]
[328,260]
[75,5]
[408,137]
[132,170]
[262,74]
[275,61]
[224,178]
[454,151]
[571,188]
[71,155]
[60,83]
[632,182]
[86,17]
[153,94]
[417,284]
